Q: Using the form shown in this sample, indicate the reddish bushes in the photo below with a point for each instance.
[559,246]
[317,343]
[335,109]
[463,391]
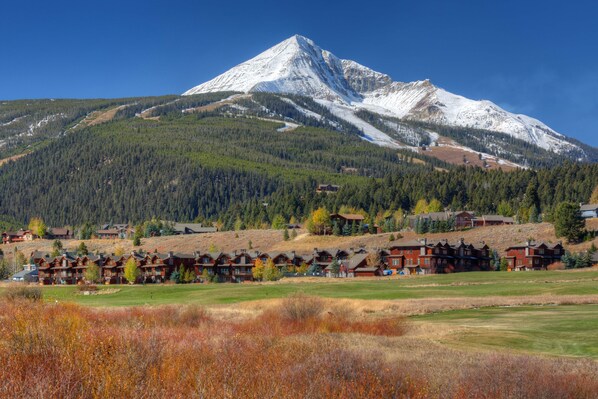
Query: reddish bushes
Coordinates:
[66,351]
[300,314]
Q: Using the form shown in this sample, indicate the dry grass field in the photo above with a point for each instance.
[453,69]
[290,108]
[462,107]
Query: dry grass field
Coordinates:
[298,347]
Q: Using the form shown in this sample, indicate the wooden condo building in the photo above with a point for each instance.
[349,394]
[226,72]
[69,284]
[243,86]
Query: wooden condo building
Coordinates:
[407,257]
[531,255]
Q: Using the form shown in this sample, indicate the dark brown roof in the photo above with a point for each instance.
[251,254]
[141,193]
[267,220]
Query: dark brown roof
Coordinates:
[348,216]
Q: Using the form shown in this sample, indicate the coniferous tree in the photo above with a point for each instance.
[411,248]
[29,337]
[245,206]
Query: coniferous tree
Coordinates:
[346,229]
[82,249]
[336,229]
[568,222]
[56,248]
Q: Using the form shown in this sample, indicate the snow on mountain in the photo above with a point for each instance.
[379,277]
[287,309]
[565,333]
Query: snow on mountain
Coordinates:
[295,65]
[298,66]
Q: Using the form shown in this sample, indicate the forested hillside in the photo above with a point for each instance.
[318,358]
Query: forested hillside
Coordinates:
[234,164]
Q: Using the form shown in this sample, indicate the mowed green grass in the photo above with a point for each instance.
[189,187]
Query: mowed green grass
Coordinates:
[476,284]
[566,330]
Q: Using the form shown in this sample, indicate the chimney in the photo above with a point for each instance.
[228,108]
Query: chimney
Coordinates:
[171,254]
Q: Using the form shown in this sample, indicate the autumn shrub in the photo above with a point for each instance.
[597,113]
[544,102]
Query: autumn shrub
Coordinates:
[300,307]
[16,292]
[55,350]
[502,376]
[301,314]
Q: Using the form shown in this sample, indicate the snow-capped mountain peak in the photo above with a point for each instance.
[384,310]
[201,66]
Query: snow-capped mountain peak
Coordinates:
[296,65]
[299,66]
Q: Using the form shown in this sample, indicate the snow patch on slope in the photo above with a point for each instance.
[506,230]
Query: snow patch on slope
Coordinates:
[371,134]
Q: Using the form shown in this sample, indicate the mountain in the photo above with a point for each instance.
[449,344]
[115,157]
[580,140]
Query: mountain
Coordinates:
[298,66]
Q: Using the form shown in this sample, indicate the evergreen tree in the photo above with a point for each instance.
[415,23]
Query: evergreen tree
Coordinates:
[82,249]
[336,229]
[335,268]
[353,228]
[495,260]
[314,269]
[534,217]
[56,248]
[568,222]
[504,265]
[346,229]
[4,269]
[175,277]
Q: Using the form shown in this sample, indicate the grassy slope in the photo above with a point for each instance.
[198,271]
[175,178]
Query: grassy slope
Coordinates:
[498,237]
[471,285]
[556,330]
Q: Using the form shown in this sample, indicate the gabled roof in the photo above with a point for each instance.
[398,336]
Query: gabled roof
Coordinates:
[24,273]
[533,244]
[194,227]
[59,231]
[348,216]
[39,255]
[355,261]
[407,244]
[495,218]
[589,207]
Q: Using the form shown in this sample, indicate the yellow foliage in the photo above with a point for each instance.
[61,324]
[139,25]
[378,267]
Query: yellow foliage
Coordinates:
[421,207]
[434,206]
[258,269]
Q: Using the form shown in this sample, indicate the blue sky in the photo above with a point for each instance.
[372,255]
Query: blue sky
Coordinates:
[534,57]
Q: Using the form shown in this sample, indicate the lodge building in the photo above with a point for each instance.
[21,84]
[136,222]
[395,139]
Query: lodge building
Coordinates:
[407,257]
[531,255]
[422,256]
